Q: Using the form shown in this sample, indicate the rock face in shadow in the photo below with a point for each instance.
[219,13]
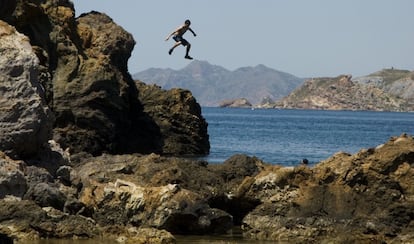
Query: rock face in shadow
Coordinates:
[83,70]
[6,8]
[178,117]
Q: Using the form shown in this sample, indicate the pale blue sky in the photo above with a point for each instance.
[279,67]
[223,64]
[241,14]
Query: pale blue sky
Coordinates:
[307,38]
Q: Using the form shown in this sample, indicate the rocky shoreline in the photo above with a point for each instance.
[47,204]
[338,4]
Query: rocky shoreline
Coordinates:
[86,152]
[134,198]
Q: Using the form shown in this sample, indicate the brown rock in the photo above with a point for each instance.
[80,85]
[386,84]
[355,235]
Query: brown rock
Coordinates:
[342,93]
[357,198]
[178,116]
[83,69]
[165,193]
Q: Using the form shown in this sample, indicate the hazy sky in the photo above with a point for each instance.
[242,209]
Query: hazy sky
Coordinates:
[307,38]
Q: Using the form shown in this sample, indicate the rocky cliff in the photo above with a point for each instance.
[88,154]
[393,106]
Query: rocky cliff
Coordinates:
[399,83]
[388,90]
[81,75]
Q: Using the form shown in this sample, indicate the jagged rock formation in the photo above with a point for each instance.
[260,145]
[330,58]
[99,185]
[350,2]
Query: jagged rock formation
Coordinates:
[343,93]
[366,197]
[83,69]
[25,120]
[150,191]
[184,131]
[399,83]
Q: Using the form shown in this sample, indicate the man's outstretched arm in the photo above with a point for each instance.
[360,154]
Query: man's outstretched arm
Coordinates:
[192,31]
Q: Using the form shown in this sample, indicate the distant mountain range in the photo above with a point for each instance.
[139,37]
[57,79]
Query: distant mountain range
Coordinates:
[212,84]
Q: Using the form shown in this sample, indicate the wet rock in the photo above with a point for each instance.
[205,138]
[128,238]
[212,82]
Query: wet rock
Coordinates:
[151,235]
[135,235]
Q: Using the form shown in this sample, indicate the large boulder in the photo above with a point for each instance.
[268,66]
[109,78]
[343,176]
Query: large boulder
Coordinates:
[25,120]
[178,116]
[93,96]
[152,191]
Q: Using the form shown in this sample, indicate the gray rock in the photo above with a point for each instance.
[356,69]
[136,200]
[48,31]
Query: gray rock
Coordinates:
[63,174]
[45,195]
[25,120]
[178,117]
[12,180]
[36,175]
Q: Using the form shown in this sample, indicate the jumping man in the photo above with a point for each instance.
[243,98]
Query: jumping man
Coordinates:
[179,40]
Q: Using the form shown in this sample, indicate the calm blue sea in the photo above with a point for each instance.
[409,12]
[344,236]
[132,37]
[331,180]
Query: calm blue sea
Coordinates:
[287,136]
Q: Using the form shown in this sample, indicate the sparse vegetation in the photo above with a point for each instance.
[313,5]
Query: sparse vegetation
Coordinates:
[391,75]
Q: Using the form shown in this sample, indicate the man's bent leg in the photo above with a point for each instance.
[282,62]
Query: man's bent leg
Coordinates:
[172,49]
[188,51]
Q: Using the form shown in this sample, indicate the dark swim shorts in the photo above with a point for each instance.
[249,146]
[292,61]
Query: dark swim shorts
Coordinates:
[183,41]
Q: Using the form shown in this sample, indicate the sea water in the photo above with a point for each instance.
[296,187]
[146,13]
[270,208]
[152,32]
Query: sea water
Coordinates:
[286,137]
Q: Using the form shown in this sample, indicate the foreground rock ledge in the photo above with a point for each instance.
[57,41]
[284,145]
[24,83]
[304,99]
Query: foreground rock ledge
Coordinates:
[365,197]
